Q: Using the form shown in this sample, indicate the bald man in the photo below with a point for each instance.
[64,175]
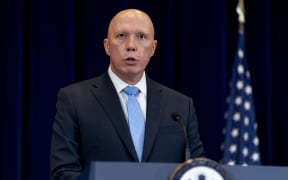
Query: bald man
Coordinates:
[91,122]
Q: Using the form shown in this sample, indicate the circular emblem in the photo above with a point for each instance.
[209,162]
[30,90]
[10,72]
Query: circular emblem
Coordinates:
[199,169]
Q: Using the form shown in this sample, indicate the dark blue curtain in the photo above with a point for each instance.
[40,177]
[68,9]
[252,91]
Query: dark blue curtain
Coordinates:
[47,44]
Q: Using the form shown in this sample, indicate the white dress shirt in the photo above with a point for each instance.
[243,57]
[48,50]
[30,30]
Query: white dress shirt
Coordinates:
[120,85]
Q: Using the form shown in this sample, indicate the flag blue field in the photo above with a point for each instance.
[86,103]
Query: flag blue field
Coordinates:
[241,144]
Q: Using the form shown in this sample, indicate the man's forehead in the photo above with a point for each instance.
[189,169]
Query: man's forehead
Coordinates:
[132,22]
[131,16]
[133,19]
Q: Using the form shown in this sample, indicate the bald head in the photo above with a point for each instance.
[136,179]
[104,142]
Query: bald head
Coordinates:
[131,15]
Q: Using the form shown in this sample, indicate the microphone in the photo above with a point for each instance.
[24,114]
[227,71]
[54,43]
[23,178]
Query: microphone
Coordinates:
[176,117]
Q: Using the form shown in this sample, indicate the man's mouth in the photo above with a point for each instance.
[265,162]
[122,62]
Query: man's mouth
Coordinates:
[130,59]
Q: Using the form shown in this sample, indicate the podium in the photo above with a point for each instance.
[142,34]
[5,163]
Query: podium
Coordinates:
[162,171]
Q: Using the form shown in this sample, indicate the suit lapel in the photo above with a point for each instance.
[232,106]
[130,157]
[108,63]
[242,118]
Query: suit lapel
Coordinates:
[155,102]
[107,96]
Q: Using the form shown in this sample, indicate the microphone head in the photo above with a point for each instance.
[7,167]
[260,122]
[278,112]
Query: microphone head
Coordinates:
[176,116]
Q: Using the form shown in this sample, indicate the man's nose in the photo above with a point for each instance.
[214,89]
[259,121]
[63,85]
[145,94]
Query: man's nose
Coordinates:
[131,45]
[131,49]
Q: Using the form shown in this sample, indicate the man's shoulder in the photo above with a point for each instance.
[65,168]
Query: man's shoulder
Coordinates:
[168,90]
[83,84]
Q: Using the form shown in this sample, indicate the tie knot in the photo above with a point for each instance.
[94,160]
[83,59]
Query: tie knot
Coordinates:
[131,90]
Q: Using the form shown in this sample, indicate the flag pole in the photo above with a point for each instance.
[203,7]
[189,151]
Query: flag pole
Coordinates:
[241,15]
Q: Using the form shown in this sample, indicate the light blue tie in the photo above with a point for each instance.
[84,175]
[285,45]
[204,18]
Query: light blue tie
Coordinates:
[135,119]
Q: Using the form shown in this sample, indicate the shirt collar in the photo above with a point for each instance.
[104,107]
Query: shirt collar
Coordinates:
[120,85]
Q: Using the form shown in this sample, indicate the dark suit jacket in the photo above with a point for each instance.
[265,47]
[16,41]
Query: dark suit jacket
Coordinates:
[90,126]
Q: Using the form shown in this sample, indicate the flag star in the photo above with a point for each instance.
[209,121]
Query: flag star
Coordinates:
[255,156]
[240,69]
[244,164]
[238,100]
[235,132]
[245,151]
[231,163]
[248,74]
[255,125]
[247,105]
[233,148]
[239,85]
[248,90]
[240,53]
[246,136]
[236,116]
[256,141]
[246,120]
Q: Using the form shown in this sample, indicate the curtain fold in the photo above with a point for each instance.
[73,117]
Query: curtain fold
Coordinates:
[11,91]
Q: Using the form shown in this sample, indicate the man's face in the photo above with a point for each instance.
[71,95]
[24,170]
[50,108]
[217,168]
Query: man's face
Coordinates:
[130,44]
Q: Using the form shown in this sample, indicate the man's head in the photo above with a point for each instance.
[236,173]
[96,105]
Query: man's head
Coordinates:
[130,44]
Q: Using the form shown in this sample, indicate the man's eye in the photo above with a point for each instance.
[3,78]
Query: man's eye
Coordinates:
[141,36]
[120,36]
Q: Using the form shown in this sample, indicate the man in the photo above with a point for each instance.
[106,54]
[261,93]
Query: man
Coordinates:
[92,119]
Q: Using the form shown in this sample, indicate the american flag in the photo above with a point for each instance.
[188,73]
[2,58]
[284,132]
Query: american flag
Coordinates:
[241,144]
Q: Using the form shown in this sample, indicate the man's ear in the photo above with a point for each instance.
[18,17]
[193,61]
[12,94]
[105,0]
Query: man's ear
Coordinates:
[106,46]
[154,47]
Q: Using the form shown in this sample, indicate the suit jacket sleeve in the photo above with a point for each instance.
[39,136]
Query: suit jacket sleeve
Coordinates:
[65,160]
[195,144]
